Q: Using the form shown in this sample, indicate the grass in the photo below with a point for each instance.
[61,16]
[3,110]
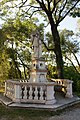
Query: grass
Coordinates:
[13,113]
[77,93]
[24,113]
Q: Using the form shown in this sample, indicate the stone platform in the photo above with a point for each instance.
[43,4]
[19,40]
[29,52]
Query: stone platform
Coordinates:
[61,103]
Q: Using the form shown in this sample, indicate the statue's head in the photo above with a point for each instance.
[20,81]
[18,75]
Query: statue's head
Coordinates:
[35,35]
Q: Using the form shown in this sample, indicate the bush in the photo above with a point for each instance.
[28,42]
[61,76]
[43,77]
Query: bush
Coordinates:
[71,74]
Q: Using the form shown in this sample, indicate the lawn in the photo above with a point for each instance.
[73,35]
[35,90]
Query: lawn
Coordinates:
[8,113]
[15,113]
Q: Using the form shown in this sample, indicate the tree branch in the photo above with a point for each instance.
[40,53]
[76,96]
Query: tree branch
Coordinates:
[23,3]
[76,59]
[48,5]
[54,5]
[68,12]
[48,49]
[61,10]
[34,12]
[46,25]
[72,64]
[74,56]
[57,1]
[42,5]
[33,6]
[22,61]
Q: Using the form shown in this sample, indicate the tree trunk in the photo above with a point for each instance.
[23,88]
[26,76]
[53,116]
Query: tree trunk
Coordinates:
[19,72]
[57,48]
[16,66]
[24,73]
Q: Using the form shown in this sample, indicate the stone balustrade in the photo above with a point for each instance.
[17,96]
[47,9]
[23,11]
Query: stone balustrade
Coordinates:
[30,92]
[66,86]
[23,91]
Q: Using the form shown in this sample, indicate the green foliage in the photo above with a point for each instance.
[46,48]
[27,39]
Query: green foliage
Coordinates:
[52,72]
[49,40]
[54,12]
[70,73]
[15,38]
[70,47]
[17,30]
[4,66]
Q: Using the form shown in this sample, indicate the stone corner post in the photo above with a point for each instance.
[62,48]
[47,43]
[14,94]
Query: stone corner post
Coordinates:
[17,93]
[50,99]
[69,92]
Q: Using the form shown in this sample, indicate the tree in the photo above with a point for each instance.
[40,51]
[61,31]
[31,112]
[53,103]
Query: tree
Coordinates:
[55,11]
[4,63]
[70,47]
[17,43]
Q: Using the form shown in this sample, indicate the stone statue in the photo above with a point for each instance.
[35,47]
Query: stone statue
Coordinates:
[36,45]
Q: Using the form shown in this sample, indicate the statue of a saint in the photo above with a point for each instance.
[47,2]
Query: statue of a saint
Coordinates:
[37,45]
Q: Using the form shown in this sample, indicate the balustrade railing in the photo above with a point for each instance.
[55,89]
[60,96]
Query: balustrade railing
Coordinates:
[66,86]
[23,91]
[30,92]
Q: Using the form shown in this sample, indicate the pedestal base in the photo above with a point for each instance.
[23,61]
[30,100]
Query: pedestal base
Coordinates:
[50,102]
[68,96]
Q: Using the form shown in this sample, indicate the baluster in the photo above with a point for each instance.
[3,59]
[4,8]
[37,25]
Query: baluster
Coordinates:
[33,95]
[44,94]
[25,92]
[20,92]
[28,89]
[41,93]
[36,93]
[30,93]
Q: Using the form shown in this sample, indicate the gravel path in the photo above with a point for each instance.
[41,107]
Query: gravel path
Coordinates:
[73,114]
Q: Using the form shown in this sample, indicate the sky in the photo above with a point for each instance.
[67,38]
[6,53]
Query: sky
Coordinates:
[69,23]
